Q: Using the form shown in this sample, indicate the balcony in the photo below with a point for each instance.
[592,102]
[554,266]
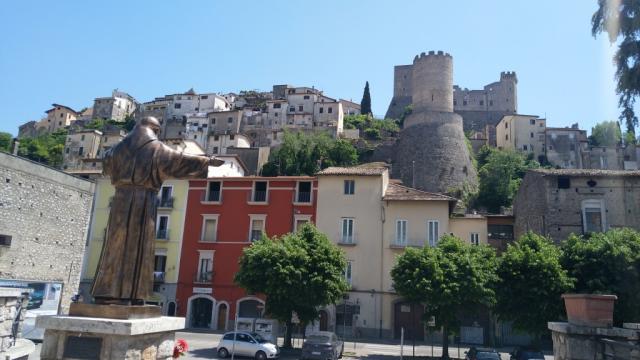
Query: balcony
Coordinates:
[162,234]
[213,197]
[302,198]
[347,239]
[158,276]
[395,244]
[257,197]
[204,277]
[166,203]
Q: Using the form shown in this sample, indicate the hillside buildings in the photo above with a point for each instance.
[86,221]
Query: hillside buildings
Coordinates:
[525,133]
[115,107]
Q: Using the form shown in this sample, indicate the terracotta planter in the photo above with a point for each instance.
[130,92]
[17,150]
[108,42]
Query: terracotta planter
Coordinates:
[590,309]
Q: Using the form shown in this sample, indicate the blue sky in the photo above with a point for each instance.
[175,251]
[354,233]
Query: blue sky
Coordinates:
[70,52]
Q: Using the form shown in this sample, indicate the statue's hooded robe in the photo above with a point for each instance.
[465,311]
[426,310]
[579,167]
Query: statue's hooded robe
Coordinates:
[137,166]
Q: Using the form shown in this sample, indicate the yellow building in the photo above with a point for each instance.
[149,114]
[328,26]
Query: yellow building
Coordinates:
[373,220]
[172,201]
[59,117]
[524,133]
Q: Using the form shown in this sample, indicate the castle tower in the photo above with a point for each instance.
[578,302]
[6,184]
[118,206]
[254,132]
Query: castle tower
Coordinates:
[431,153]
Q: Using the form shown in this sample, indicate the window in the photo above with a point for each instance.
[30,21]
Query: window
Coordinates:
[300,220]
[216,137]
[464,103]
[481,102]
[205,267]
[300,108]
[306,97]
[177,106]
[475,239]
[321,110]
[455,103]
[524,147]
[330,110]
[531,135]
[204,97]
[304,192]
[82,138]
[346,234]
[209,229]
[5,240]
[532,121]
[215,149]
[292,109]
[162,227]
[572,147]
[277,106]
[213,121]
[259,191]
[490,102]
[159,267]
[229,120]
[257,228]
[80,151]
[232,136]
[506,137]
[349,187]
[165,199]
[66,151]
[348,273]
[213,189]
[593,216]
[432,232]
[401,232]
[564,182]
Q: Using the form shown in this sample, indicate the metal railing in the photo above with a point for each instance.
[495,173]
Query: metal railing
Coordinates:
[303,197]
[162,234]
[258,196]
[165,202]
[158,276]
[212,196]
[204,277]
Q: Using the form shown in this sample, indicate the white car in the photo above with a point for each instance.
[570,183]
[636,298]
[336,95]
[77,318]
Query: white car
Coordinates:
[244,343]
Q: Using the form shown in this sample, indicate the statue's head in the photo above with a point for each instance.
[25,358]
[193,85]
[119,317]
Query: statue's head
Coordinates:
[152,123]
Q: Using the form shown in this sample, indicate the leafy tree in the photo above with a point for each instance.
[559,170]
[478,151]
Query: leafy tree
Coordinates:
[451,278]
[372,128]
[298,272]
[606,133]
[129,123]
[621,21]
[5,141]
[372,133]
[531,282]
[302,154]
[365,104]
[607,263]
[500,177]
[45,148]
[482,157]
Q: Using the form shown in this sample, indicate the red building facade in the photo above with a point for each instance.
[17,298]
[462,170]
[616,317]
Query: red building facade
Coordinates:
[223,216]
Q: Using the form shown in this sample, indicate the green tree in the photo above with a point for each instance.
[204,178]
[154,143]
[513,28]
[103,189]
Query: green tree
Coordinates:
[500,178]
[607,263]
[5,141]
[606,133]
[449,279]
[365,104]
[482,157]
[531,282]
[622,22]
[306,154]
[45,148]
[298,272]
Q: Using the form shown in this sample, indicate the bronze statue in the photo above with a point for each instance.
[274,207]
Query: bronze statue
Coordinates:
[137,166]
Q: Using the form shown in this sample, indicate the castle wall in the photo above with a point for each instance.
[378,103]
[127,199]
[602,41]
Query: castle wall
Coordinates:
[433,82]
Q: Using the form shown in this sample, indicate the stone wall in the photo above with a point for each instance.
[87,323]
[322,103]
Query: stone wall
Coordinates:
[46,214]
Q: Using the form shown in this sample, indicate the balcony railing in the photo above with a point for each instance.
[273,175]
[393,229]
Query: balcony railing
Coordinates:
[204,277]
[347,239]
[212,196]
[162,234]
[396,243]
[158,276]
[303,197]
[258,197]
[165,202]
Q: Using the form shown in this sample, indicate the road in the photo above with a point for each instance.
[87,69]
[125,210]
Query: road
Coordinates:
[203,346]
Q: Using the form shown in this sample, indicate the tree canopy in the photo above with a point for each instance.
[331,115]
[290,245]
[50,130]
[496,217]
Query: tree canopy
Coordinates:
[45,148]
[371,127]
[607,263]
[449,279]
[365,104]
[531,282]
[306,154]
[500,173]
[606,133]
[621,22]
[298,272]
[5,141]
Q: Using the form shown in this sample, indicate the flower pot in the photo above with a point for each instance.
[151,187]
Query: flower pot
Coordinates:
[590,309]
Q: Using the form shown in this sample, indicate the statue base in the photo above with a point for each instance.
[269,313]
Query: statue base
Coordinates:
[75,337]
[112,311]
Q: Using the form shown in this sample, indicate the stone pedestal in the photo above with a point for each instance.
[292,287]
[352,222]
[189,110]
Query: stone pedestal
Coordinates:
[573,342]
[91,338]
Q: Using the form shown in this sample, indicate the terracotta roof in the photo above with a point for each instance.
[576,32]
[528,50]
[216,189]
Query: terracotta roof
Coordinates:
[399,192]
[586,172]
[374,169]
[62,106]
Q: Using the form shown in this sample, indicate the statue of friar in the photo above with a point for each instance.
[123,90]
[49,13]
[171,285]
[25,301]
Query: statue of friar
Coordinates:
[137,166]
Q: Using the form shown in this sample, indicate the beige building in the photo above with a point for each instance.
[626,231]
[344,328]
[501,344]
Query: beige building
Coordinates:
[80,145]
[525,133]
[373,219]
[59,117]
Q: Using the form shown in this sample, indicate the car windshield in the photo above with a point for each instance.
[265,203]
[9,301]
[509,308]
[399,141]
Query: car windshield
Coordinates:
[258,338]
[482,355]
[317,338]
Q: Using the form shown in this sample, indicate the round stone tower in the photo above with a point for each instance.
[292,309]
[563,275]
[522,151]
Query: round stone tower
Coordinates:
[431,153]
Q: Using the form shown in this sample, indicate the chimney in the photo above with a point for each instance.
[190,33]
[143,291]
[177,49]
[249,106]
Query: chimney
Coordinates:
[14,146]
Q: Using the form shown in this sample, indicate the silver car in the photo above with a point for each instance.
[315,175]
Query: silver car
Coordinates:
[322,345]
[244,343]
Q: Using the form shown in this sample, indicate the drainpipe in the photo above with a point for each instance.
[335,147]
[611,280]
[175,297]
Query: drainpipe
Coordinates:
[382,221]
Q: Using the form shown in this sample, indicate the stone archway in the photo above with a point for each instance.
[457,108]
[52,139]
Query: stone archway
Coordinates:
[200,311]
[249,307]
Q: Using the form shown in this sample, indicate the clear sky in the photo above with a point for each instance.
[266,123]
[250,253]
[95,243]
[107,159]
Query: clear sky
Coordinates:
[70,52]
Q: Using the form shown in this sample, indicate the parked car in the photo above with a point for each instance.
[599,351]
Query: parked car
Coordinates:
[322,345]
[475,353]
[244,343]
[526,354]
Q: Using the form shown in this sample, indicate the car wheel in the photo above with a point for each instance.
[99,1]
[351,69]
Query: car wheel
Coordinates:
[223,353]
[260,355]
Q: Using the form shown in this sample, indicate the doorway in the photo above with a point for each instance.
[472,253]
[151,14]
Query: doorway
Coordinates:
[201,310]
[222,317]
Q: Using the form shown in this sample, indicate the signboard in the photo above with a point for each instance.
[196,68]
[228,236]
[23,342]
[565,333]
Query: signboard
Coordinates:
[84,347]
[431,322]
[201,290]
[295,319]
[405,308]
